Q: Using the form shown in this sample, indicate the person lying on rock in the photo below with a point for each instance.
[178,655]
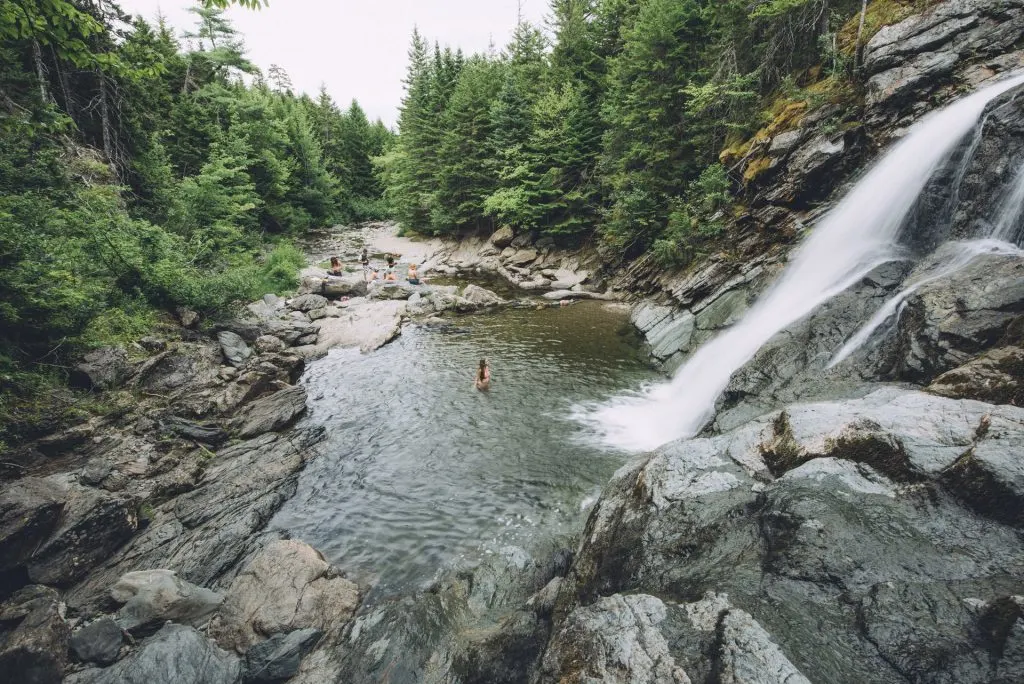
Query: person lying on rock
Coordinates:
[335,266]
[414,278]
[483,376]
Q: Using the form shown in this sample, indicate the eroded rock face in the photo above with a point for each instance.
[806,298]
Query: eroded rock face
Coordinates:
[95,523]
[33,637]
[30,510]
[173,655]
[103,369]
[887,518]
[272,413]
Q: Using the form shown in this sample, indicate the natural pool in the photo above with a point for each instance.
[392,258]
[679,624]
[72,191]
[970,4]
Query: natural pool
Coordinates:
[423,473]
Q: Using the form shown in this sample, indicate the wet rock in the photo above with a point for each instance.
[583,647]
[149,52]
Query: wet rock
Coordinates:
[271,413]
[990,477]
[672,334]
[951,319]
[35,650]
[173,655]
[234,348]
[269,344]
[617,639]
[502,237]
[151,597]
[30,511]
[817,155]
[997,377]
[723,311]
[308,302]
[749,656]
[288,586]
[103,369]
[897,85]
[98,642]
[95,523]
[278,658]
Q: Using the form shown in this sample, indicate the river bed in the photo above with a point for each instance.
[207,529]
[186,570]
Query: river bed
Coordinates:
[423,474]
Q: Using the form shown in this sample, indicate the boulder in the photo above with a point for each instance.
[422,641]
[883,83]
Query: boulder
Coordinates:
[347,286]
[95,523]
[394,291]
[271,413]
[997,377]
[784,143]
[278,658]
[98,642]
[152,597]
[312,284]
[269,343]
[502,237]
[234,348]
[522,240]
[151,343]
[30,511]
[35,650]
[523,257]
[749,656]
[187,317]
[479,297]
[308,302]
[287,586]
[173,655]
[103,369]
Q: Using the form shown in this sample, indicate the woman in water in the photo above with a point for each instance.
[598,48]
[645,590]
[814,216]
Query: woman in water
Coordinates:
[483,376]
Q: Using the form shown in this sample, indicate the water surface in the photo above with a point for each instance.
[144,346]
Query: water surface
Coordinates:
[422,472]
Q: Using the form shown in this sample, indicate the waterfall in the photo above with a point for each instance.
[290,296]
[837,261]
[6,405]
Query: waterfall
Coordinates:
[856,236]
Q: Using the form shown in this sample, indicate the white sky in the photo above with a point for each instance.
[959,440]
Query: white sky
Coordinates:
[356,47]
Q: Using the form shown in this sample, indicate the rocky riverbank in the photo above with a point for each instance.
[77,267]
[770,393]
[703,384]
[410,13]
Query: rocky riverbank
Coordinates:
[851,523]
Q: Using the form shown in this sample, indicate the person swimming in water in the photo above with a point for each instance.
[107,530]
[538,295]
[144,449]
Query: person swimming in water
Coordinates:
[483,376]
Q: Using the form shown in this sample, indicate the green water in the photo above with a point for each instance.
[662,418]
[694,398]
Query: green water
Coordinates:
[422,473]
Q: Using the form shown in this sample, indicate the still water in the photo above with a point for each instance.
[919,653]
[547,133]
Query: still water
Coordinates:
[422,473]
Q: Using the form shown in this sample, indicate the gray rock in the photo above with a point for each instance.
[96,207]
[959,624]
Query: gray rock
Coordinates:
[269,343]
[896,85]
[187,317]
[395,290]
[98,642]
[749,656]
[151,597]
[35,650]
[646,315]
[278,658]
[103,369]
[995,377]
[347,286]
[30,511]
[786,142]
[317,314]
[671,335]
[288,586]
[308,302]
[272,413]
[522,240]
[151,343]
[479,297]
[234,348]
[523,257]
[818,154]
[723,311]
[618,640]
[502,237]
[173,655]
[95,523]
[208,434]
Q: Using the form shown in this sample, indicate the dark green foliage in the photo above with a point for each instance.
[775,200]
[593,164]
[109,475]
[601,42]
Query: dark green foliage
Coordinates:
[137,177]
[614,129]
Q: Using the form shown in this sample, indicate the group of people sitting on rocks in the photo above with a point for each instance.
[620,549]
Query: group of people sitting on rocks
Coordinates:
[372,273]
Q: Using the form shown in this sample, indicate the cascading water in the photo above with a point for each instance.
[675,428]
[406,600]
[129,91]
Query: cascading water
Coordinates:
[856,236]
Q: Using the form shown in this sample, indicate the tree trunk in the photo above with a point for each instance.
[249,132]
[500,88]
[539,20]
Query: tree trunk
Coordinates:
[37,57]
[860,33]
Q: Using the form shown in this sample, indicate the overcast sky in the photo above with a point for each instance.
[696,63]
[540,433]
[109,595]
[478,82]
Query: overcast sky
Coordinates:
[356,47]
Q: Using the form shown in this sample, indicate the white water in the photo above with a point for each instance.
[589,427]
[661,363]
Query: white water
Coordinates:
[1008,221]
[855,237]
